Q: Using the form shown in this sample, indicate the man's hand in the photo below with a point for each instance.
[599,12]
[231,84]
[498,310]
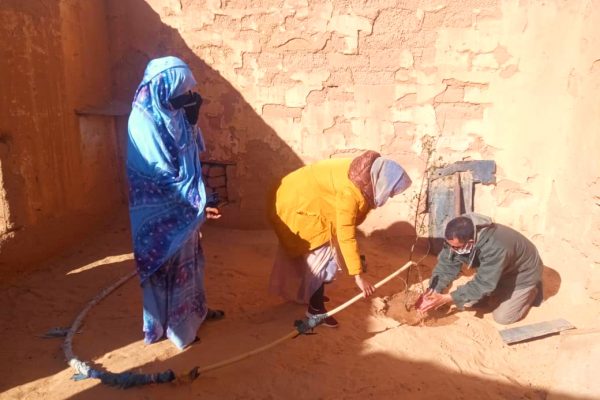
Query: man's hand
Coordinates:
[213,213]
[364,285]
[432,300]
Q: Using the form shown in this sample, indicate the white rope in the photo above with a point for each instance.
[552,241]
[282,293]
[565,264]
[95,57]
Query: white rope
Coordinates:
[81,366]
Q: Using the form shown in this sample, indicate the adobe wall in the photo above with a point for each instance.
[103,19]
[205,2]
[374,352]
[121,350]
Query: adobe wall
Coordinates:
[291,82]
[57,168]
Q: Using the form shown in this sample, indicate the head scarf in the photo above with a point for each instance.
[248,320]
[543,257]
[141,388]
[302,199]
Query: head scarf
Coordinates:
[165,78]
[389,179]
[166,193]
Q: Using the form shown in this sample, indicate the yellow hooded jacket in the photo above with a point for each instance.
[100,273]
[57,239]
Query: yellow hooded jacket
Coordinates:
[316,203]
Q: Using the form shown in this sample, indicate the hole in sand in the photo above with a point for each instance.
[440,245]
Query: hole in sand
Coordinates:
[401,307]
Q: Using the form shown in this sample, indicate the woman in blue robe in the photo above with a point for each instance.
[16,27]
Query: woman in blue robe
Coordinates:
[167,201]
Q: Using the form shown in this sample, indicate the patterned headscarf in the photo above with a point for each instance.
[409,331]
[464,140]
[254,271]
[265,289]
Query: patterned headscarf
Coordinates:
[389,179]
[165,78]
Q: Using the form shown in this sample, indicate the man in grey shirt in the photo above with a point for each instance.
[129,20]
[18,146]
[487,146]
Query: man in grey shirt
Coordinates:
[509,268]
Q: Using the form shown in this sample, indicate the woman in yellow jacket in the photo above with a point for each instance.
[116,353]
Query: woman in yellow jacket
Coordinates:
[315,211]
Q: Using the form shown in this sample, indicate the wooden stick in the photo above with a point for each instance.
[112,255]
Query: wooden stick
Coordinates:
[295,332]
[377,286]
[248,354]
[83,367]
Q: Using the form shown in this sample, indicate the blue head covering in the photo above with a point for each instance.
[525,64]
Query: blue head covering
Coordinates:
[166,192]
[165,78]
[389,179]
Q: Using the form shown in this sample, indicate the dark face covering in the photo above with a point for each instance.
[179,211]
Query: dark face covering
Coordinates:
[190,102]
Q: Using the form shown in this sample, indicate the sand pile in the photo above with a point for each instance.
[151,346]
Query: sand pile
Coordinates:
[401,307]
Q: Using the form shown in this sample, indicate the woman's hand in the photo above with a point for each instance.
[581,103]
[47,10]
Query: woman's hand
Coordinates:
[364,285]
[213,213]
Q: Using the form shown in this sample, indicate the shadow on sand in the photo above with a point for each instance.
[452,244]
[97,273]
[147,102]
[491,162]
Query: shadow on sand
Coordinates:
[331,364]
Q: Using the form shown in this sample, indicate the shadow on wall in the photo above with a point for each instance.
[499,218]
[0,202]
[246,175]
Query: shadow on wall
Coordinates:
[400,238]
[234,132]
[402,231]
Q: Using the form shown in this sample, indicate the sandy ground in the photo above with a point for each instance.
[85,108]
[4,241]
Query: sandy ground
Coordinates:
[370,355]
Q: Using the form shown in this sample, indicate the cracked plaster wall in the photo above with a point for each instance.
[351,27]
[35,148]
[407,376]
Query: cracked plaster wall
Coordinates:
[516,82]
[291,82]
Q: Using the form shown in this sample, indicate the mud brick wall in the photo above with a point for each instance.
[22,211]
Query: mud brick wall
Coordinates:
[291,82]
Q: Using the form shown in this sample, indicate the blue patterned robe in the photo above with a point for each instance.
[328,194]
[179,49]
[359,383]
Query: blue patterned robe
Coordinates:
[166,203]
